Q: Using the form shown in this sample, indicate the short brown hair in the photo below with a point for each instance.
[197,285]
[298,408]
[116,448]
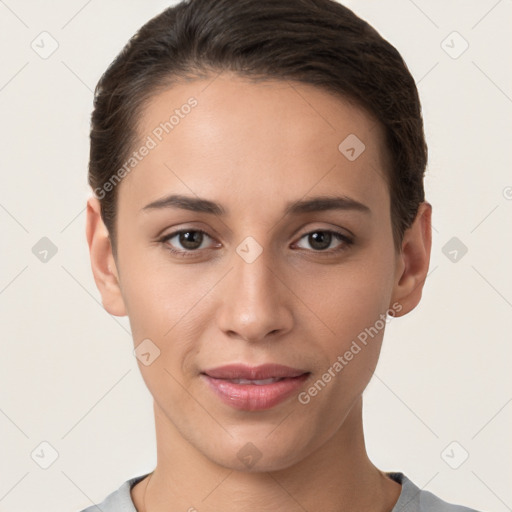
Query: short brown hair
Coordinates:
[318,42]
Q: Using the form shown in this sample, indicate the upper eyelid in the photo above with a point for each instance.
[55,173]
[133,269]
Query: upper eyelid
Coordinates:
[342,237]
[166,238]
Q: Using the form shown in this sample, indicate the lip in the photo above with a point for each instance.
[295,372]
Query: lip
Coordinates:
[254,397]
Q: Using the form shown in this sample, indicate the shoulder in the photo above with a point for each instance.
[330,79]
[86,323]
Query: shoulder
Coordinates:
[118,501]
[414,499]
[411,499]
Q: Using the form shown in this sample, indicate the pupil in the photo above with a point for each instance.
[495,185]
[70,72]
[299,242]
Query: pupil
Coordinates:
[320,240]
[191,239]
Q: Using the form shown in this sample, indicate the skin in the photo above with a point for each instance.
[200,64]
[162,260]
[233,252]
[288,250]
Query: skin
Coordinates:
[253,148]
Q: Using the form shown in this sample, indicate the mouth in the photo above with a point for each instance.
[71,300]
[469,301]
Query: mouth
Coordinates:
[254,388]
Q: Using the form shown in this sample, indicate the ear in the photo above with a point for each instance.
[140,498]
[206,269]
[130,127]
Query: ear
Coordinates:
[413,261]
[103,264]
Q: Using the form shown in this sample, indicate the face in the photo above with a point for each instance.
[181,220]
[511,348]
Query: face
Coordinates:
[249,236]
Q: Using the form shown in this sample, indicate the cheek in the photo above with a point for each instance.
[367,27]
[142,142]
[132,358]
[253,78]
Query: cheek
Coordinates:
[163,304]
[353,302]
[355,310]
[167,304]
[352,298]
[156,292]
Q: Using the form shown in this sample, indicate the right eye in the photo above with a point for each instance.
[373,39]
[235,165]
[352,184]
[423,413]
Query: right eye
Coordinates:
[190,240]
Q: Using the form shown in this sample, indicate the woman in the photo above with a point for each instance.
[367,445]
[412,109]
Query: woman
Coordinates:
[259,215]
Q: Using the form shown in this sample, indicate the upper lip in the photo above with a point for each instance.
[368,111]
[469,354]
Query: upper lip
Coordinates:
[243,371]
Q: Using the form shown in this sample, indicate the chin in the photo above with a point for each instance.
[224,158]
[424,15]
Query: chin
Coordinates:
[257,453]
[255,461]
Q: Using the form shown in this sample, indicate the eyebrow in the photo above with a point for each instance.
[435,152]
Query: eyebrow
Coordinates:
[315,204]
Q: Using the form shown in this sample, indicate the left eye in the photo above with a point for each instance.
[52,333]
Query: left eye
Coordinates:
[321,240]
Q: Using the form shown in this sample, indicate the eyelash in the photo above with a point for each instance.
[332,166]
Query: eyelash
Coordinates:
[346,242]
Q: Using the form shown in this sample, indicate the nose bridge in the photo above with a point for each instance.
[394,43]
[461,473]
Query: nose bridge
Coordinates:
[254,275]
[255,303]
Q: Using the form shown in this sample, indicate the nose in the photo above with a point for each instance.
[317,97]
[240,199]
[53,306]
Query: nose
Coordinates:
[256,301]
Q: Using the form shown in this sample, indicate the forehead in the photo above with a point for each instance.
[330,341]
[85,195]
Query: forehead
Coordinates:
[227,133]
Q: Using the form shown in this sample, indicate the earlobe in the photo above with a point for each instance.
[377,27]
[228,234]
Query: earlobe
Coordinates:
[413,261]
[103,264]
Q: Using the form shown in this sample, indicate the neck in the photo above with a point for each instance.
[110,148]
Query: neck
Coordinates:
[337,476]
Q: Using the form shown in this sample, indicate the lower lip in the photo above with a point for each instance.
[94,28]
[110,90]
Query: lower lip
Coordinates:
[251,397]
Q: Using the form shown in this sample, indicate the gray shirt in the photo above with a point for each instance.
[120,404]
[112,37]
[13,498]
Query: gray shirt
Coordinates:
[411,499]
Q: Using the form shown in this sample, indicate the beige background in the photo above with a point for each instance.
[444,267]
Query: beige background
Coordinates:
[68,376]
